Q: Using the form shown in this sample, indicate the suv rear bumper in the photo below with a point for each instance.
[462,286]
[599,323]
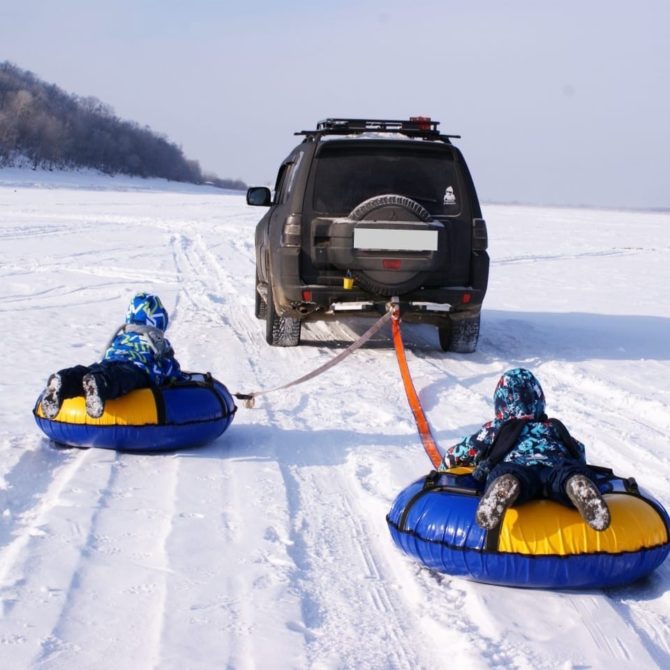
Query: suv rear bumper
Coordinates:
[315,301]
[429,305]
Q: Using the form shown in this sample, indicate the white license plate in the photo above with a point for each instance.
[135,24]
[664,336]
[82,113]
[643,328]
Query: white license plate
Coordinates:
[383,239]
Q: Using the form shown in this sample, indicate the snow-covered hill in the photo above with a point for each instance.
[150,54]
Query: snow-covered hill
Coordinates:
[269,548]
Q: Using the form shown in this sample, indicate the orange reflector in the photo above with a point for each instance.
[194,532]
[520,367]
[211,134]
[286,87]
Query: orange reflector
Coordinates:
[391,263]
[307,296]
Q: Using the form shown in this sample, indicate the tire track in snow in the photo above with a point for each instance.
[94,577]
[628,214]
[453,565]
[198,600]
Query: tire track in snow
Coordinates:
[617,251]
[628,434]
[340,576]
[216,601]
[206,272]
[31,513]
[76,603]
[209,289]
[203,301]
[30,580]
[455,618]
[325,504]
[207,293]
[208,297]
[619,643]
[384,603]
[300,544]
[649,623]
[127,529]
[651,415]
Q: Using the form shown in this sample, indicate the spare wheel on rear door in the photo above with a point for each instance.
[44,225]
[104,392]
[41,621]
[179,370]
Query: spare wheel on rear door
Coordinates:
[395,244]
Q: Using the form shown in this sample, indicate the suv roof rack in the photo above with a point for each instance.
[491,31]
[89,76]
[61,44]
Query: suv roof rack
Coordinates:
[415,126]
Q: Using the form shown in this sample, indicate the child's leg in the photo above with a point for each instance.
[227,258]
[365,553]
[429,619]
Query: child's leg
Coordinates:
[115,379]
[507,484]
[66,383]
[529,477]
[556,478]
[70,379]
[573,484]
[108,380]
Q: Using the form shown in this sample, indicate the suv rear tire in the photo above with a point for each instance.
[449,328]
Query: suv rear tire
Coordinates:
[280,331]
[460,332]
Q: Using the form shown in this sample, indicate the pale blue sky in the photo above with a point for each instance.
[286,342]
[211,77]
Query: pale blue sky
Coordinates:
[557,102]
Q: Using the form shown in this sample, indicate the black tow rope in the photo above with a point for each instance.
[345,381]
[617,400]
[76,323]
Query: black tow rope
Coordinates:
[250,398]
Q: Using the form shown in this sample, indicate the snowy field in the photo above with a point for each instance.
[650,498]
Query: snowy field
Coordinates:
[269,548]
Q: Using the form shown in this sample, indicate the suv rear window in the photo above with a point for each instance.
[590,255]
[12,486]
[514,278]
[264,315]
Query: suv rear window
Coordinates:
[347,173]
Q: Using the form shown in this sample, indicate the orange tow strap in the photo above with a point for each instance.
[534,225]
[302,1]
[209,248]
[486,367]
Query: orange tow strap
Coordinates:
[429,443]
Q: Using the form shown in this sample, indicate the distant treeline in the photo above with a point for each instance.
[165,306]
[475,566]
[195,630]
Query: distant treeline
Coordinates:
[43,124]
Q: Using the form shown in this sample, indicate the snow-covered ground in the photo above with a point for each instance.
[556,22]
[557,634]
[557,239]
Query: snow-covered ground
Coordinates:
[269,548]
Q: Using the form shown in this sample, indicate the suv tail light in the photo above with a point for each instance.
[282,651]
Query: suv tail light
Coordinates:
[290,234]
[480,237]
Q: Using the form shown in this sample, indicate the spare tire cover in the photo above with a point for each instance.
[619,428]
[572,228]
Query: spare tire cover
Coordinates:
[389,207]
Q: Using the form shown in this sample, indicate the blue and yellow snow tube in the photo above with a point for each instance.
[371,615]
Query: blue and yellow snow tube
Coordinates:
[186,414]
[540,544]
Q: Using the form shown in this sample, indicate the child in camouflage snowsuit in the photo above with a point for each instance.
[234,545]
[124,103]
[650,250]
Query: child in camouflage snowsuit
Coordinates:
[522,455]
[138,356]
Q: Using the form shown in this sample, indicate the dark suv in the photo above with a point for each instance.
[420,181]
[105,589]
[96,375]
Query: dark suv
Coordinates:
[364,211]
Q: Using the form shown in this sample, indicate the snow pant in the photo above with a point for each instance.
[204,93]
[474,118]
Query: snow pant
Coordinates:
[542,481]
[113,378]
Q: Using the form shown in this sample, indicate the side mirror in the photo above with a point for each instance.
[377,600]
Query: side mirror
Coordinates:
[259,196]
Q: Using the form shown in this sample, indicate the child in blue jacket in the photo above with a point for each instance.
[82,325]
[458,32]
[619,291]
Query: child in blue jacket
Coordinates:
[138,356]
[522,455]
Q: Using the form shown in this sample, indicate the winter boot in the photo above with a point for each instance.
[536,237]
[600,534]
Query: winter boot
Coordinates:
[498,497]
[51,397]
[589,503]
[95,406]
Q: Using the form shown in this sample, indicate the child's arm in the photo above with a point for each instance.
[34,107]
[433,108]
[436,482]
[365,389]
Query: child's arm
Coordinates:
[172,370]
[582,451]
[469,449]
